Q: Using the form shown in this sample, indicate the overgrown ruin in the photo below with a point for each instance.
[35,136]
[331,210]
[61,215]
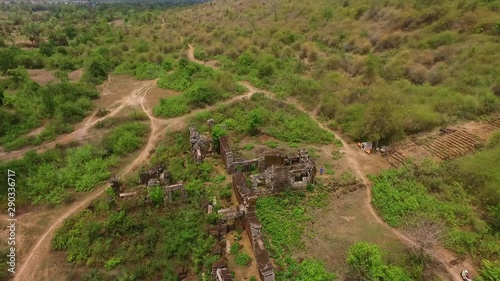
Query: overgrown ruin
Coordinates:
[201,145]
[277,173]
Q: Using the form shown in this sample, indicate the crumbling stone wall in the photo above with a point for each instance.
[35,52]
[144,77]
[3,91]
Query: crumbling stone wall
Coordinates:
[159,173]
[201,146]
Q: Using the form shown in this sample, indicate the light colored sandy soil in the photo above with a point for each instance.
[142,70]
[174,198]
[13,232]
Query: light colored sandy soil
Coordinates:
[75,75]
[41,76]
[242,273]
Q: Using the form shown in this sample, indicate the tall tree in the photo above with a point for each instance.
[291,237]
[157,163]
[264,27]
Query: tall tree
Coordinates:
[34,33]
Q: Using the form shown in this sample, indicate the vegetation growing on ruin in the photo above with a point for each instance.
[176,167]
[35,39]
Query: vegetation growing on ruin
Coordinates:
[283,221]
[150,239]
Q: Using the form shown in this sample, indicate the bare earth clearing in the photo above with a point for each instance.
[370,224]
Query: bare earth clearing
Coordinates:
[34,259]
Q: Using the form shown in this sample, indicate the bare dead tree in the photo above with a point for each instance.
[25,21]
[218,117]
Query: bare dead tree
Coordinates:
[426,233]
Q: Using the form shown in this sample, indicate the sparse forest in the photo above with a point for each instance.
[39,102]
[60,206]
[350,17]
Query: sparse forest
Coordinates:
[88,92]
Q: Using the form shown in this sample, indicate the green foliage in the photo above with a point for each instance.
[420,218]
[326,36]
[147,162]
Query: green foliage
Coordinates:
[440,39]
[125,138]
[285,124]
[235,248]
[217,132]
[272,144]
[243,259]
[200,85]
[256,119]
[447,193]
[490,271]
[49,177]
[112,263]
[313,270]
[146,71]
[365,263]
[171,107]
[33,31]
[156,194]
[248,146]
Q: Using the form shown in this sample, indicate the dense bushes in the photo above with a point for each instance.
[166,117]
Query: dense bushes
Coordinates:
[462,194]
[62,104]
[200,85]
[365,263]
[283,219]
[49,177]
[125,138]
[270,117]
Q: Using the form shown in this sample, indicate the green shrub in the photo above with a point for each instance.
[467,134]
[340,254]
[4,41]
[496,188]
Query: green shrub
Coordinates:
[171,107]
[235,248]
[126,138]
[243,259]
[112,263]
[441,39]
[145,71]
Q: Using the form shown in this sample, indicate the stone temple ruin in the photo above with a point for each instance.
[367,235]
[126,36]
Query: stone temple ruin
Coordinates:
[277,173]
[159,176]
[201,145]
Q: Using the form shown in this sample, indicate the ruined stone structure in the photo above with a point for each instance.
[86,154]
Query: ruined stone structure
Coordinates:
[172,189]
[282,172]
[115,184]
[220,272]
[201,145]
[277,174]
[246,200]
[154,176]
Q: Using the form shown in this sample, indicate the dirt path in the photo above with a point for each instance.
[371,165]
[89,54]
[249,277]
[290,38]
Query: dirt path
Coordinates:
[440,254]
[81,129]
[32,268]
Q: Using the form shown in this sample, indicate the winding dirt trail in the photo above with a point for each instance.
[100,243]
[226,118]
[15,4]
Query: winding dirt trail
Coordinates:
[443,256]
[32,268]
[82,128]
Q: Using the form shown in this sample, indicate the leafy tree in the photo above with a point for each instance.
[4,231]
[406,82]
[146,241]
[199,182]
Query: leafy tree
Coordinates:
[256,118]
[62,75]
[8,58]
[156,194]
[365,262]
[312,270]
[58,39]
[70,32]
[383,118]
[243,259]
[33,31]
[47,49]
[18,76]
[217,132]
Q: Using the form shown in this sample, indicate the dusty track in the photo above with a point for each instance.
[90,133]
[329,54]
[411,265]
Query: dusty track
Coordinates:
[32,268]
[81,129]
[32,265]
[439,254]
